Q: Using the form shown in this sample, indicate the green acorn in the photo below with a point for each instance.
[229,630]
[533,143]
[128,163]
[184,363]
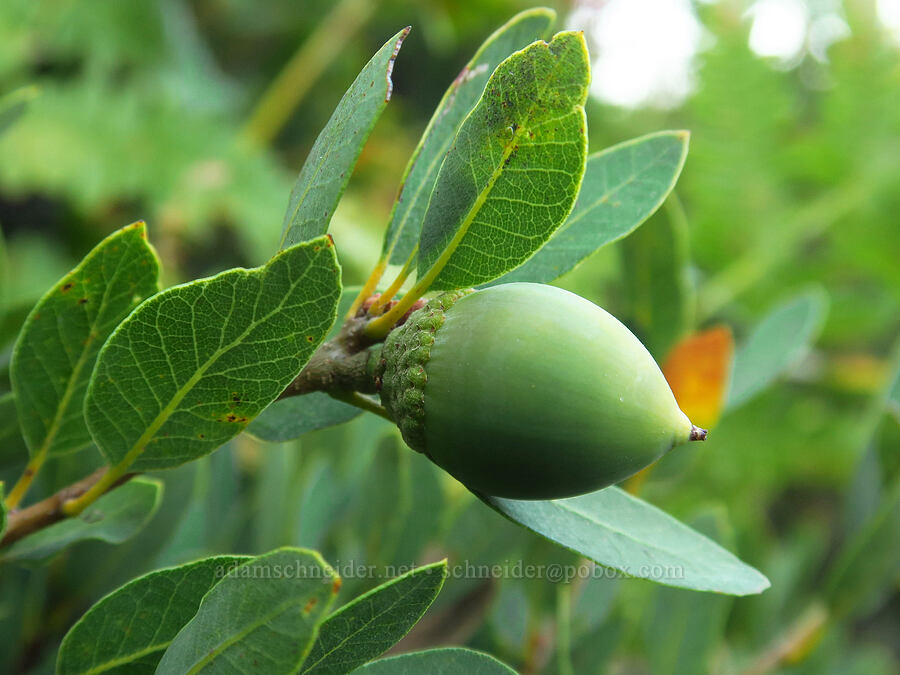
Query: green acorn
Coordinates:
[528,391]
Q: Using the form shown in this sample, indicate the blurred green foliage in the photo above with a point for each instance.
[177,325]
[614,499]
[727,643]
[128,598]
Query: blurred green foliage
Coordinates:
[793,178]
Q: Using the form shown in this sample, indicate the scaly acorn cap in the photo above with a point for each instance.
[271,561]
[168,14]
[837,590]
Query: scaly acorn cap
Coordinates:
[402,368]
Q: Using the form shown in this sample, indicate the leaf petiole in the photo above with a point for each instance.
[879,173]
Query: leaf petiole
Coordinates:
[21,487]
[380,327]
[397,284]
[107,481]
[368,287]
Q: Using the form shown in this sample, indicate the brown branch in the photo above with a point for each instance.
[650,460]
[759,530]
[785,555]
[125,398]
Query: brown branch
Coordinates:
[22,522]
[343,364]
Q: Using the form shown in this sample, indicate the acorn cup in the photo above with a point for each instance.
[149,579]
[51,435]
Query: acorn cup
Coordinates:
[528,391]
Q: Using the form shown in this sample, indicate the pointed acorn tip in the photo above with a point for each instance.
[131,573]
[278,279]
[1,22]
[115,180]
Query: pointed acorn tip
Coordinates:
[697,434]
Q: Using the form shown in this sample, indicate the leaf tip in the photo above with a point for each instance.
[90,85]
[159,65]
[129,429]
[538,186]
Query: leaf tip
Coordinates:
[401,36]
[762,584]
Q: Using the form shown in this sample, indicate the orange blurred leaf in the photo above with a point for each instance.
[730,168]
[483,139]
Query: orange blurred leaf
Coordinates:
[697,369]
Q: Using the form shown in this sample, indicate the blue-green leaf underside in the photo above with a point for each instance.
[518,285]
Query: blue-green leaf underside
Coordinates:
[113,518]
[512,174]
[366,627]
[331,160]
[422,169]
[783,336]
[58,345]
[616,530]
[294,416]
[261,618]
[685,628]
[438,662]
[128,630]
[193,365]
[622,187]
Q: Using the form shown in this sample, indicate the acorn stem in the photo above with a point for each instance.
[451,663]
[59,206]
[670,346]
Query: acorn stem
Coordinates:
[362,402]
[697,434]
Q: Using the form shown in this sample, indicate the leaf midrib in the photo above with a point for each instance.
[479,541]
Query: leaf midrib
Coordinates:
[625,534]
[62,406]
[128,658]
[366,622]
[329,149]
[135,451]
[439,264]
[443,107]
[249,628]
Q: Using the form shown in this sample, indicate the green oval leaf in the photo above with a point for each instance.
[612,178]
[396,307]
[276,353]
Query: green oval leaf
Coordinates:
[366,627]
[512,174]
[331,160]
[58,345]
[192,366]
[616,530]
[438,662]
[622,187]
[261,618]
[779,339]
[132,626]
[422,169]
[115,517]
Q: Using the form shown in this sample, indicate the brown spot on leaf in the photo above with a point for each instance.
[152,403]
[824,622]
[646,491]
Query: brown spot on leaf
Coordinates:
[81,301]
[336,585]
[330,240]
[309,605]
[67,287]
[310,338]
